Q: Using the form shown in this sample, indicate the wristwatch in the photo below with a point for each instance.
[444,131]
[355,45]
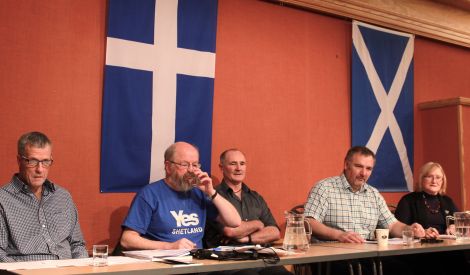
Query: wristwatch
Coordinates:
[215,195]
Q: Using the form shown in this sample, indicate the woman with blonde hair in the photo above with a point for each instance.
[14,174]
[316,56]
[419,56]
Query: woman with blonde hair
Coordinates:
[428,205]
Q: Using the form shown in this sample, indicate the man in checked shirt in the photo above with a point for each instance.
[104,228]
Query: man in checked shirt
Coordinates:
[346,209]
[38,219]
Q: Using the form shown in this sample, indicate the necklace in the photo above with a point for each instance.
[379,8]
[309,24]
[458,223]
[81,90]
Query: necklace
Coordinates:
[433,211]
[237,190]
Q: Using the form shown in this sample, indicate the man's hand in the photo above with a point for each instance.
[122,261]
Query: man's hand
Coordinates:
[243,240]
[206,182]
[350,237]
[182,244]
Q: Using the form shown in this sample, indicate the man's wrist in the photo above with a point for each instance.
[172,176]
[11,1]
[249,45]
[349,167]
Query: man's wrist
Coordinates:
[214,195]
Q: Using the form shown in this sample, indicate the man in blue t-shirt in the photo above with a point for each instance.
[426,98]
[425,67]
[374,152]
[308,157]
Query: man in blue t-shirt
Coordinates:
[171,213]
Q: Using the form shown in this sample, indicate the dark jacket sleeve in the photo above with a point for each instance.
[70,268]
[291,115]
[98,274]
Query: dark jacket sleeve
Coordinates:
[448,206]
[405,209]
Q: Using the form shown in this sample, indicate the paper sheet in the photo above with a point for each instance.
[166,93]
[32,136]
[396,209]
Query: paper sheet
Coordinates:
[392,241]
[451,237]
[112,260]
[157,253]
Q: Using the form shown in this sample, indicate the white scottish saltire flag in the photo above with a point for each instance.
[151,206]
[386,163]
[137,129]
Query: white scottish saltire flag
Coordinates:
[382,102]
[158,87]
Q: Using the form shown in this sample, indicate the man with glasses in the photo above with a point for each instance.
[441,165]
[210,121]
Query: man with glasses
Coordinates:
[171,213]
[38,219]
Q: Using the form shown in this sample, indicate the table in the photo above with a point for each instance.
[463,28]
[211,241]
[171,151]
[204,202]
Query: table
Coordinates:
[400,250]
[446,245]
[318,253]
[315,254]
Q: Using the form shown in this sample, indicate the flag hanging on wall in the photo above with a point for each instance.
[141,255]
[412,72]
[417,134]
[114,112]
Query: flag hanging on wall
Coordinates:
[158,87]
[382,103]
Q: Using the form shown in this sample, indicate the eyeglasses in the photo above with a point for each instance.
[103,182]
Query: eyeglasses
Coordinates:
[186,165]
[35,162]
[430,178]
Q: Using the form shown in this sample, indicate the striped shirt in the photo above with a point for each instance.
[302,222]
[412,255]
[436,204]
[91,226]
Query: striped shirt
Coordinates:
[33,230]
[333,203]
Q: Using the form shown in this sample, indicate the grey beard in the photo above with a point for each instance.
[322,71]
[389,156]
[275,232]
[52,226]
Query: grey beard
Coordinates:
[180,184]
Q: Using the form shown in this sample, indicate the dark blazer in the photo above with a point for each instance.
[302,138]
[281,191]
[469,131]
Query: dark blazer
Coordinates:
[411,209]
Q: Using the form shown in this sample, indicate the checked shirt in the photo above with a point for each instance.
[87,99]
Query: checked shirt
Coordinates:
[33,230]
[333,203]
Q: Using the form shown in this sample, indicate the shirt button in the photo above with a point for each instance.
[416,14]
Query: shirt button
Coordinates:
[43,225]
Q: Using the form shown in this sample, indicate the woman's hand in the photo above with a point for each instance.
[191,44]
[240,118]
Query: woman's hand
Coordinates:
[418,230]
[432,233]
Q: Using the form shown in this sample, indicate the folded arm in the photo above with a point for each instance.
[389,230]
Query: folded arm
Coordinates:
[266,235]
[254,230]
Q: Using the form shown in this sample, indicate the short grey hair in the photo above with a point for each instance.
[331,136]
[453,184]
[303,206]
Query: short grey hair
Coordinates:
[33,139]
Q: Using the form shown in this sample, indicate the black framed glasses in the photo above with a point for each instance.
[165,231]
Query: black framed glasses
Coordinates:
[35,162]
[186,165]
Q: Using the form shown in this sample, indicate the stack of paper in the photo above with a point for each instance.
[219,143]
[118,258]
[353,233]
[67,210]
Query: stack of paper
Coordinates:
[157,253]
[174,256]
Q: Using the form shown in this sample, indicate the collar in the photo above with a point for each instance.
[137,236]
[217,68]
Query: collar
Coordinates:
[19,186]
[225,188]
[428,196]
[345,185]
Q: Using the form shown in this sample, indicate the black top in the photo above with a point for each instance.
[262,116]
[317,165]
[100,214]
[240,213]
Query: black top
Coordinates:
[252,206]
[425,209]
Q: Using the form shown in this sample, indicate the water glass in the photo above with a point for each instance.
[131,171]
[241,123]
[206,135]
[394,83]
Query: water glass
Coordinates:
[408,237]
[100,255]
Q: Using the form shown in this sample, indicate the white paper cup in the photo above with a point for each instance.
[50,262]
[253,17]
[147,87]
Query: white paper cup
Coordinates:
[382,237]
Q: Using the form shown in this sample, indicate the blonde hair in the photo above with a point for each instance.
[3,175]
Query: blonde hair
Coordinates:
[425,169]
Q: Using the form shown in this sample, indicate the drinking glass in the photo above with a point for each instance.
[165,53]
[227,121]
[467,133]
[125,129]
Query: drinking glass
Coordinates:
[408,237]
[100,255]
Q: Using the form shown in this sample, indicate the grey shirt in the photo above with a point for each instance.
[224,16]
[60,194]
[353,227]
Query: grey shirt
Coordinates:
[38,230]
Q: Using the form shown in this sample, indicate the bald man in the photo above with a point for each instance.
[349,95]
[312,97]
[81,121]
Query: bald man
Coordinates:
[171,213]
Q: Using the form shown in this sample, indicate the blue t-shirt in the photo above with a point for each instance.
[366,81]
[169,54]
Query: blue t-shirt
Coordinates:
[161,213]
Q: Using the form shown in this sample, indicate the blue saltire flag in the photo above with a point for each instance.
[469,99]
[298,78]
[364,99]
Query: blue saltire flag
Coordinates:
[382,103]
[158,87]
